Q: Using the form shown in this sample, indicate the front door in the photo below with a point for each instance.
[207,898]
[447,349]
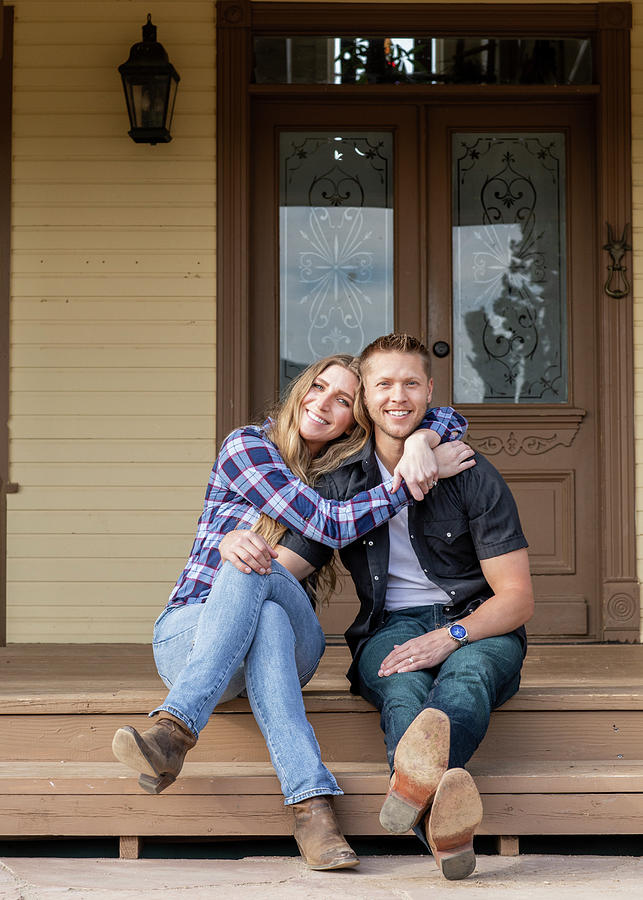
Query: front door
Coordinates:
[472,227]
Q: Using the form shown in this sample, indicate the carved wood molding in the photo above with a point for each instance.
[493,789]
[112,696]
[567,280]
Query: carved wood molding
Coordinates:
[531,432]
[621,611]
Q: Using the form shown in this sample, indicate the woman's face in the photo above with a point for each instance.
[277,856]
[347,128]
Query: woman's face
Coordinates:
[327,408]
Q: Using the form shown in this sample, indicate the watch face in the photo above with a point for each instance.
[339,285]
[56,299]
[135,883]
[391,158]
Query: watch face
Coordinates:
[458,631]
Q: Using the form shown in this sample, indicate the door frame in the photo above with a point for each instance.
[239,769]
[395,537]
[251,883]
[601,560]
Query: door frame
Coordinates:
[608,24]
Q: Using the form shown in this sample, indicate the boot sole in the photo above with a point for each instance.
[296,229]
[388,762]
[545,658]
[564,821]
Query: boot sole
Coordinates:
[347,863]
[129,749]
[456,813]
[421,759]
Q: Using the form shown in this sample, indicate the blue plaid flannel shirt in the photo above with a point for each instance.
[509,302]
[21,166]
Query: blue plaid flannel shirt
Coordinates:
[249,477]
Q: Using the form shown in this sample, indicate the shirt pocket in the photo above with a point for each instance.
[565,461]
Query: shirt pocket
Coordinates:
[449,547]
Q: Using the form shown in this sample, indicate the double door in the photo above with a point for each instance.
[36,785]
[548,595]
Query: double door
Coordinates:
[471,226]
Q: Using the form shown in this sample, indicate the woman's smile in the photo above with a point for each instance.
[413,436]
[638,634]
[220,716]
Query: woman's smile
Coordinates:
[327,408]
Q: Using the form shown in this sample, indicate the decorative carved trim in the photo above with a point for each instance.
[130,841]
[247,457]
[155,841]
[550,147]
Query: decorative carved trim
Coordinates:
[512,442]
[233,14]
[615,15]
[522,430]
[617,285]
[621,613]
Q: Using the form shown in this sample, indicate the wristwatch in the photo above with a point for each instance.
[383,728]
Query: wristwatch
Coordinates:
[459,634]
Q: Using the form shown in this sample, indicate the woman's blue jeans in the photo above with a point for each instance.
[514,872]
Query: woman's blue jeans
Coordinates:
[257,634]
[467,686]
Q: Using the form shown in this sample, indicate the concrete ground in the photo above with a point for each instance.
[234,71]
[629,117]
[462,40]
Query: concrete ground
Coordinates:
[378,877]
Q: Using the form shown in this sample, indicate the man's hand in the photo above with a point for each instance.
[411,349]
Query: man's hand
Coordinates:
[418,466]
[247,551]
[453,458]
[422,652]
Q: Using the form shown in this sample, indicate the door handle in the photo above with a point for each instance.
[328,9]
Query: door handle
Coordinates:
[441,349]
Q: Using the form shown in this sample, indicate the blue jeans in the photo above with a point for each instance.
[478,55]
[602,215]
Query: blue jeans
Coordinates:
[467,686]
[257,633]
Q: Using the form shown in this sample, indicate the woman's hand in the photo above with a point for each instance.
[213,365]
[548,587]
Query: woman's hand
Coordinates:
[247,551]
[418,466]
[453,458]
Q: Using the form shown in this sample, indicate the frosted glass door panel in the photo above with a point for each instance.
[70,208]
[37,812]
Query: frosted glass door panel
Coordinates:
[509,285]
[336,244]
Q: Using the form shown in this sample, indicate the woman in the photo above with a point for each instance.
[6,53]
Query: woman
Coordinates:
[259,632]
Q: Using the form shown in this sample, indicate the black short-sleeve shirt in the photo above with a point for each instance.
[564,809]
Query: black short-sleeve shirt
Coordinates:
[469,517]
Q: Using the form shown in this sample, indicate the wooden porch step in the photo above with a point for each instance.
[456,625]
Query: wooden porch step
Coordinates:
[225,800]
[561,757]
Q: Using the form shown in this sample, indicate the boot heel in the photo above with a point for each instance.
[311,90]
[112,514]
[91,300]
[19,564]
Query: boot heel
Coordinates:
[401,810]
[153,784]
[456,813]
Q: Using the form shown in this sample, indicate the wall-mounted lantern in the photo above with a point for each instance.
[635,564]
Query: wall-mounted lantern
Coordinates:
[150,82]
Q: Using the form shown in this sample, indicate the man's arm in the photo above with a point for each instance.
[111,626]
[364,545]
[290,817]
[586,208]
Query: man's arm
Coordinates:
[296,565]
[511,605]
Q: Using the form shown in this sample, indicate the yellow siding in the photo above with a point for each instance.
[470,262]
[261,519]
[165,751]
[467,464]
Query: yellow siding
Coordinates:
[113,321]
[113,342]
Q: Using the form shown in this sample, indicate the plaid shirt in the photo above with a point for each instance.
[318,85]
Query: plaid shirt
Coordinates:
[249,477]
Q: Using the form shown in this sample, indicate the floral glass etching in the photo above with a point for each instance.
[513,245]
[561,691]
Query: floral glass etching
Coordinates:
[336,244]
[509,297]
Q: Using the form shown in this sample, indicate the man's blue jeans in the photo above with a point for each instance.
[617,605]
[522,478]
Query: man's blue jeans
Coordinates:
[467,686]
[254,633]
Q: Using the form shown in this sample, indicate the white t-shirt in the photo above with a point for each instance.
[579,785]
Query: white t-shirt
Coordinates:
[408,584]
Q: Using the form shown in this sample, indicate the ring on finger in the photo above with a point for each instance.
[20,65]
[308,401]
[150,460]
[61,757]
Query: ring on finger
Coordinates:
[411,660]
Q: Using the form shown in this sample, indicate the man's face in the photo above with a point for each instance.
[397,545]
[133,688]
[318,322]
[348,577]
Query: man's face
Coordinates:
[396,392]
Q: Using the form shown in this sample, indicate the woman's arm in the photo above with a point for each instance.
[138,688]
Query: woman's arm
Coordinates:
[251,467]
[419,466]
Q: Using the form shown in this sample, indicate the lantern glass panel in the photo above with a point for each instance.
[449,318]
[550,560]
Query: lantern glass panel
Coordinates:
[148,101]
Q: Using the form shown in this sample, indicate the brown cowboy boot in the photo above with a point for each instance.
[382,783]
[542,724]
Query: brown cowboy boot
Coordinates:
[450,826]
[157,754]
[318,837]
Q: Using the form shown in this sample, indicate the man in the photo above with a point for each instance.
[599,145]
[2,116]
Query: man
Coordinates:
[444,592]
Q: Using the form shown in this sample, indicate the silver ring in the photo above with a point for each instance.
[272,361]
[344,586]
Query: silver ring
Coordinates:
[435,484]
[411,660]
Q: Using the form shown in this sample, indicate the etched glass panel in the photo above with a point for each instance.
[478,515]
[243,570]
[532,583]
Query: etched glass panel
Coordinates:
[509,285]
[336,244]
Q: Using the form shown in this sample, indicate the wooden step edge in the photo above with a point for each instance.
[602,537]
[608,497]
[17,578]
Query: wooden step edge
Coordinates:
[545,777]
[138,703]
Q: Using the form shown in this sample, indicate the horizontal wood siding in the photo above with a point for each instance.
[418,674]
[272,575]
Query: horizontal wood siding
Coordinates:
[113,321]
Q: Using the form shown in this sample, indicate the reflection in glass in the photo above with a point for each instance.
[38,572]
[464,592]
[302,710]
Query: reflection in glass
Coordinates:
[309,59]
[336,244]
[509,307]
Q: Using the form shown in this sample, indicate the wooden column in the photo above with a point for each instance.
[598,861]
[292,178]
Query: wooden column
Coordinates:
[615,381]
[234,60]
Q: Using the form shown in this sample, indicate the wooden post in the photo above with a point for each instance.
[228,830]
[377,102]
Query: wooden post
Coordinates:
[129,846]
[507,846]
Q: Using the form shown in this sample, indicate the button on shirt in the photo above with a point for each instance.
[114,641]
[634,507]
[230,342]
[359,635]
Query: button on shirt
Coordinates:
[469,517]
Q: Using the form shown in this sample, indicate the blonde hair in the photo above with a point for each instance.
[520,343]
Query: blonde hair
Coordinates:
[284,434]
